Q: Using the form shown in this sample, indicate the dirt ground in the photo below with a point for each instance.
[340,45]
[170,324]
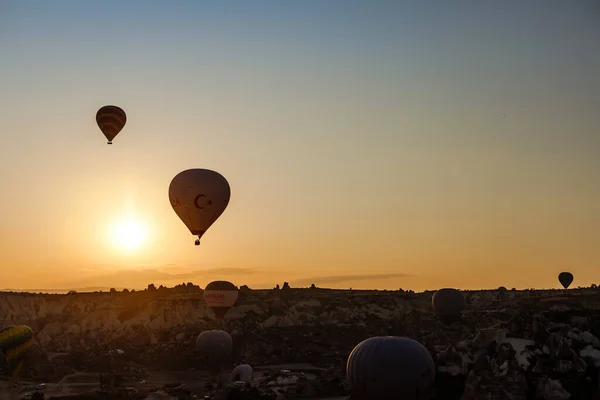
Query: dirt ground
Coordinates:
[80,382]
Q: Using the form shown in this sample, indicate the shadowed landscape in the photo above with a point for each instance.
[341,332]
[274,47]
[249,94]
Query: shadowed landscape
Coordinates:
[529,344]
[415,176]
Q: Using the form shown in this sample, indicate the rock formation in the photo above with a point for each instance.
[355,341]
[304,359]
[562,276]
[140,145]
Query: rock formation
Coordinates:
[508,345]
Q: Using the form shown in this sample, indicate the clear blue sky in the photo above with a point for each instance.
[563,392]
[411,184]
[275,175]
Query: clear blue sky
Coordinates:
[418,143]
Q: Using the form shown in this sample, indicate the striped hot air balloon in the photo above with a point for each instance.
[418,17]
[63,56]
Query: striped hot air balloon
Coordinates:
[14,343]
[111,120]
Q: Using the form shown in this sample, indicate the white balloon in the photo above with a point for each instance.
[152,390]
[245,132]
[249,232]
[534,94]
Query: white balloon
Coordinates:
[242,373]
[199,197]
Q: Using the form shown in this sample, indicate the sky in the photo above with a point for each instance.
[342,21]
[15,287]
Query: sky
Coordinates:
[368,144]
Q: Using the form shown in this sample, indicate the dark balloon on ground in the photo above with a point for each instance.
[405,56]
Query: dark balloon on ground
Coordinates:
[391,367]
[215,347]
[448,304]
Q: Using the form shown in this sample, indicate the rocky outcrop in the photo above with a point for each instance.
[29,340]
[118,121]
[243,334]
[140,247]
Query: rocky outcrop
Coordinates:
[508,345]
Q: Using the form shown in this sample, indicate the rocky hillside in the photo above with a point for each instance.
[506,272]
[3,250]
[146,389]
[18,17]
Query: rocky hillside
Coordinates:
[509,345]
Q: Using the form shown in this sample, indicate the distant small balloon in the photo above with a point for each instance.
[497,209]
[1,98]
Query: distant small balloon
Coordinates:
[391,367]
[565,279]
[111,120]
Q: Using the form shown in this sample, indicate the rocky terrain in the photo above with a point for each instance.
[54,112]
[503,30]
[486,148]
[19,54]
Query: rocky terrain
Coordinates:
[509,344]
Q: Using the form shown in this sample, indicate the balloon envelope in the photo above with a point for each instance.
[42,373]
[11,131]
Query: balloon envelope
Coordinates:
[448,304]
[220,296]
[215,347]
[391,367]
[242,373]
[565,279]
[199,197]
[14,343]
[111,120]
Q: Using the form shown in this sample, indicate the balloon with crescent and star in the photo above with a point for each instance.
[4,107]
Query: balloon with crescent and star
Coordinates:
[199,197]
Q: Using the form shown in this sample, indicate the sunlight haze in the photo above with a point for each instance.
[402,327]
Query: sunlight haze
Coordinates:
[383,144]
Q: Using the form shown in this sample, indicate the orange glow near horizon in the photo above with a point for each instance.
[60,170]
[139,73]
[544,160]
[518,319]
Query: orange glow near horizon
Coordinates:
[383,147]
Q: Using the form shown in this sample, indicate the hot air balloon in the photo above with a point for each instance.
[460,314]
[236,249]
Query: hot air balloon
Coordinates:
[390,367]
[215,347]
[14,343]
[242,372]
[220,296]
[199,197]
[565,279]
[111,119]
[448,304]
[502,293]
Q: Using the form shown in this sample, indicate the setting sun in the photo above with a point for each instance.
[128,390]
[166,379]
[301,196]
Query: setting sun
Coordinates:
[128,234]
